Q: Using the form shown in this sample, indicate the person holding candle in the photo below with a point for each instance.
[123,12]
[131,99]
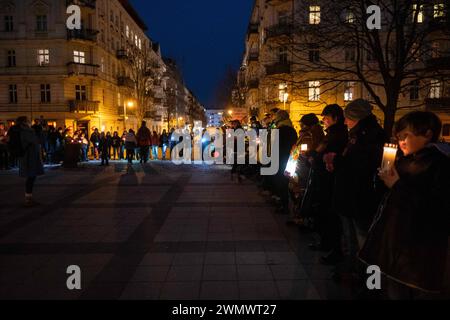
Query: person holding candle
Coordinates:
[355,195]
[408,239]
[310,136]
[320,191]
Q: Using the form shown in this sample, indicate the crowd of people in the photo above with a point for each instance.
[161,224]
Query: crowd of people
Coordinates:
[396,219]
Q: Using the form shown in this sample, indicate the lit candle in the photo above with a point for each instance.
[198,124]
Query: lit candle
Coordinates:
[304,147]
[389,155]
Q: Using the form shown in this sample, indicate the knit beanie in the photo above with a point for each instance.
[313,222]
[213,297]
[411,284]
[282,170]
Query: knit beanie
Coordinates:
[358,110]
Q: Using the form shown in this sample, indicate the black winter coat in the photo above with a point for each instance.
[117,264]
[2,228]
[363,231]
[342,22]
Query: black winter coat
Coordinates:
[409,237]
[355,194]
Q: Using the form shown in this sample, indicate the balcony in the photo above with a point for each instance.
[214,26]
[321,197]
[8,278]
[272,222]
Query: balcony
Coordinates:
[279,30]
[130,111]
[83,34]
[253,84]
[440,63]
[253,28]
[278,68]
[82,3]
[124,81]
[253,56]
[84,106]
[82,69]
[438,105]
[159,101]
[276,2]
[26,107]
[122,54]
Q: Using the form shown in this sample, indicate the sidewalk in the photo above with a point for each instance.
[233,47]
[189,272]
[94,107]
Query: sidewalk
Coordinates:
[157,231]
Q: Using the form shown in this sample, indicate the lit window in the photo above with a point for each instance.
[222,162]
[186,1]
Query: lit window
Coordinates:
[136,40]
[140,44]
[314,91]
[349,17]
[314,14]
[349,91]
[127,31]
[435,89]
[79,57]
[417,13]
[439,10]
[43,57]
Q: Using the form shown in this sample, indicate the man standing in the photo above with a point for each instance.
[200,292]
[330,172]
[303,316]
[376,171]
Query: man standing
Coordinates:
[144,138]
[95,140]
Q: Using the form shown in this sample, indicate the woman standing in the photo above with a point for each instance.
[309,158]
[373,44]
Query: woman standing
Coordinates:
[130,145]
[30,161]
[116,141]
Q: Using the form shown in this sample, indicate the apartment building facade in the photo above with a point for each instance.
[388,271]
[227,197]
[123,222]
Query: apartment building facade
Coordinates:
[284,58]
[80,79]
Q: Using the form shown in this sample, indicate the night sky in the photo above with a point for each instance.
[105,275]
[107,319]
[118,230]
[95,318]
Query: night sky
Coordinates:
[204,36]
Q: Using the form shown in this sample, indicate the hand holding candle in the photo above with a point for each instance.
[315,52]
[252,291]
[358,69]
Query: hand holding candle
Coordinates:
[389,155]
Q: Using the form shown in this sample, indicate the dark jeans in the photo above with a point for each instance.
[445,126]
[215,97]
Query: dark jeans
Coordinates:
[143,152]
[105,158]
[116,153]
[130,155]
[29,184]
[4,161]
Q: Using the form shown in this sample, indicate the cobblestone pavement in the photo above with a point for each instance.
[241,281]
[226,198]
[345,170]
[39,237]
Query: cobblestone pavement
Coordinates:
[157,231]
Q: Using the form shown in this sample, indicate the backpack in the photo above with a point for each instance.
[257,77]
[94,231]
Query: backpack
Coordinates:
[15,142]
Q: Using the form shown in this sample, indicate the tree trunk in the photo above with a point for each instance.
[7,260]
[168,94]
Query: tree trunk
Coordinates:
[389,115]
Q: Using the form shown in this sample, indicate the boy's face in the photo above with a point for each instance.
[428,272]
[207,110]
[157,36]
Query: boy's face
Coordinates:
[410,143]
[328,121]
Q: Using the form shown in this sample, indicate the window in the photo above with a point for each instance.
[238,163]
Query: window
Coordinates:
[79,57]
[80,93]
[349,92]
[282,54]
[140,44]
[41,23]
[11,58]
[314,14]
[349,17]
[9,23]
[43,57]
[414,90]
[119,99]
[370,56]
[12,93]
[314,54]
[283,17]
[417,13]
[435,50]
[45,93]
[439,11]
[127,31]
[102,64]
[446,130]
[314,91]
[136,40]
[349,55]
[435,89]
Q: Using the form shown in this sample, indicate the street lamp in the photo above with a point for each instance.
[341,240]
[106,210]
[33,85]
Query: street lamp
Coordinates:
[129,104]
